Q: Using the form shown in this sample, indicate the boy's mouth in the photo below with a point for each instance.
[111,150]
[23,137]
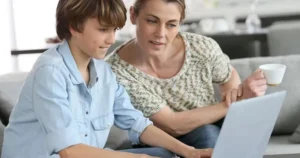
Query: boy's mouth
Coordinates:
[103,47]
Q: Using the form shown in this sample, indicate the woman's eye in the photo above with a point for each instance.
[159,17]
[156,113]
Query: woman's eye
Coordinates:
[172,25]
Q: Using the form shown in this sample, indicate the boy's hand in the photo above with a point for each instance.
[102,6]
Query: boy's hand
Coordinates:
[200,153]
[146,156]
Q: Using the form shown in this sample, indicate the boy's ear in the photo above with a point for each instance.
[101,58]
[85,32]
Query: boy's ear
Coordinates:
[132,16]
[72,31]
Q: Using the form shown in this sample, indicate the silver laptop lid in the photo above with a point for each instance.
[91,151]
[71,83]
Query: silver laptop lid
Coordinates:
[248,126]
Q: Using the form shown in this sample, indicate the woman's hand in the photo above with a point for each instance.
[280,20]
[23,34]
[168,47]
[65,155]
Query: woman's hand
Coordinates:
[253,86]
[232,95]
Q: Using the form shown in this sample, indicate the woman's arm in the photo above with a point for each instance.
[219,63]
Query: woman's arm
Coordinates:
[232,83]
[180,123]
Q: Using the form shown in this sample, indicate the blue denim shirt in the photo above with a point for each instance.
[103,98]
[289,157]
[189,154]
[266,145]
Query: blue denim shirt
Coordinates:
[56,109]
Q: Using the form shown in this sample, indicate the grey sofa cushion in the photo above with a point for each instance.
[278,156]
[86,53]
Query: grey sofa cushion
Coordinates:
[5,110]
[295,138]
[1,136]
[283,38]
[280,147]
[289,117]
[118,139]
[10,86]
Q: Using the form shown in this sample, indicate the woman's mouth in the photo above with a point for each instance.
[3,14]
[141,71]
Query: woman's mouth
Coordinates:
[156,43]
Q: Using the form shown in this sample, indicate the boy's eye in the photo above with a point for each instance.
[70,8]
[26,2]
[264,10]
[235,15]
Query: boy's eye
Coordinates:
[103,29]
[108,29]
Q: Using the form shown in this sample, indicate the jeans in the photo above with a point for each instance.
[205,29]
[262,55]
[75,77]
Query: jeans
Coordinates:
[158,152]
[203,137]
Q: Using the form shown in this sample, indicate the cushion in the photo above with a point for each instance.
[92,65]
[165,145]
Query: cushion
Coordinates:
[280,145]
[289,117]
[5,110]
[118,139]
[1,136]
[295,138]
[11,85]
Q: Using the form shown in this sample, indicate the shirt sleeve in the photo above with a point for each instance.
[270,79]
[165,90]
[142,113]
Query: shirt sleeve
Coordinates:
[52,109]
[127,117]
[220,64]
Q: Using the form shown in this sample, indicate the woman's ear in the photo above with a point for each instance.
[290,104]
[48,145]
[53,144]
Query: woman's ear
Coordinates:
[132,16]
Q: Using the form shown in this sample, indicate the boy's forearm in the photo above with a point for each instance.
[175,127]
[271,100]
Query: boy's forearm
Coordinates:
[154,136]
[84,151]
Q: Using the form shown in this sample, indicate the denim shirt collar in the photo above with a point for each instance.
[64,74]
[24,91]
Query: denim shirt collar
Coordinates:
[75,75]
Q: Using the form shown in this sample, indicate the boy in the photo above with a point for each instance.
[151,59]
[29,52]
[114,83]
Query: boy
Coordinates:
[70,101]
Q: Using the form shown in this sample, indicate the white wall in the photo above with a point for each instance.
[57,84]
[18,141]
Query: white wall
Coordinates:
[34,21]
[5,37]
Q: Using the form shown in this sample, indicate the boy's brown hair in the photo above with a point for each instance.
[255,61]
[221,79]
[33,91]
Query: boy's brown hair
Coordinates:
[74,13]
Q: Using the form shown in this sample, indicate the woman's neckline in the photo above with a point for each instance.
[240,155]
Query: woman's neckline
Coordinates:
[144,74]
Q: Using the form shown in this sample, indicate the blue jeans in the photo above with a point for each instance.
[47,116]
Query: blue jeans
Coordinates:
[203,137]
[158,152]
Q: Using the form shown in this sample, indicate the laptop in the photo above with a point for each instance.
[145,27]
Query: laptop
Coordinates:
[248,126]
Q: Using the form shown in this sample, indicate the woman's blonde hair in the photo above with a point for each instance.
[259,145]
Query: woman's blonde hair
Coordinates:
[138,5]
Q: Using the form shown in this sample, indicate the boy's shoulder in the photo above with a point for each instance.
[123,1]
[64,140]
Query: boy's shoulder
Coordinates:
[49,62]
[50,57]
[104,70]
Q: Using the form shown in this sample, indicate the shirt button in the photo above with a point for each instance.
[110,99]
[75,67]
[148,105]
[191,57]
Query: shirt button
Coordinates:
[87,112]
[85,135]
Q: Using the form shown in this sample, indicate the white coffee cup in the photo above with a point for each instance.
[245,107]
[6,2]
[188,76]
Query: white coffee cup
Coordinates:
[273,73]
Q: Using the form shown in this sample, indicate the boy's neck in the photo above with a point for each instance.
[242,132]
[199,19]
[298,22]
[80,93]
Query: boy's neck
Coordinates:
[81,59]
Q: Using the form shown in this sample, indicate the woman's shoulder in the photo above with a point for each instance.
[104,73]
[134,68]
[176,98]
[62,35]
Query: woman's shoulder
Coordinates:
[117,65]
[200,47]
[199,41]
[112,58]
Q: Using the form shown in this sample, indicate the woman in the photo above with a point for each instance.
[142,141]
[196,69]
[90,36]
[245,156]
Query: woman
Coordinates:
[169,75]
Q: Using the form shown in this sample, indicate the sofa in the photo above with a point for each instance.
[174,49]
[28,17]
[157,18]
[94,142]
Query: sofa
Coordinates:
[288,120]
[279,145]
[283,37]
